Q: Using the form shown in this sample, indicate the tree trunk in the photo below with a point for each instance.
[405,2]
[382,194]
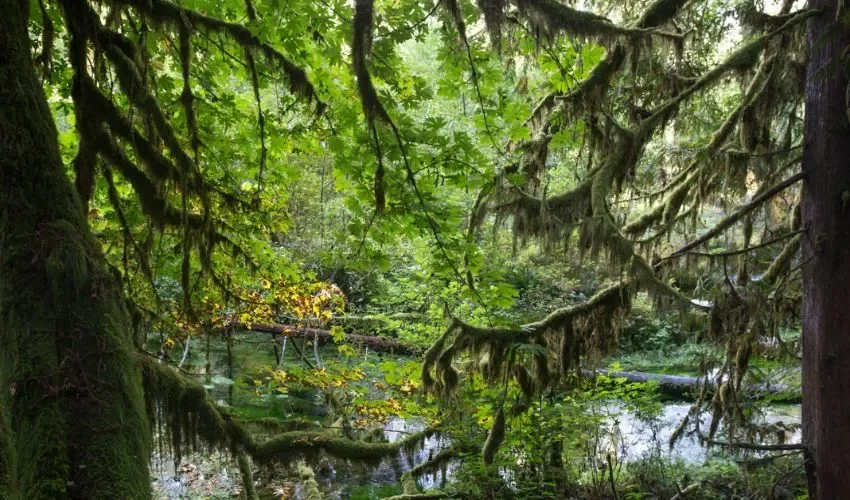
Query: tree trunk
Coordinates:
[72,410]
[826,257]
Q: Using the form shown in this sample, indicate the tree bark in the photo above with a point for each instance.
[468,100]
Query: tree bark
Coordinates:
[826,257]
[72,410]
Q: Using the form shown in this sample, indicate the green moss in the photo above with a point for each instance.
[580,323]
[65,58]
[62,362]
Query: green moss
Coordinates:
[660,12]
[73,409]
[553,18]
[311,487]
[494,438]
[782,261]
[247,475]
[182,411]
[289,444]
[409,484]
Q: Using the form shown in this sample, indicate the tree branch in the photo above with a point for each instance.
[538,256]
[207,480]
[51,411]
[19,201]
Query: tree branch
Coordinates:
[736,215]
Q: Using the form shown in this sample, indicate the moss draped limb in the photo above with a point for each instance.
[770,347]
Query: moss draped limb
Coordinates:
[305,442]
[167,13]
[623,150]
[739,213]
[782,261]
[187,416]
[593,321]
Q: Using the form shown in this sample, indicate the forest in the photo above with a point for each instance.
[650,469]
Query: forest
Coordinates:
[423,249]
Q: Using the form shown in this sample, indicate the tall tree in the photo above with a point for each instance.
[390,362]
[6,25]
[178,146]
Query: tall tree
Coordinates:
[826,254]
[80,398]
[72,387]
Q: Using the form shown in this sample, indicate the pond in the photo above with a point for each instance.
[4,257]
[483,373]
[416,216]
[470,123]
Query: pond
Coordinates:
[638,438]
[632,437]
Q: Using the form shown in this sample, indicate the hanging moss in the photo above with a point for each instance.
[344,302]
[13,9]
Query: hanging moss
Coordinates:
[782,261]
[408,484]
[182,411]
[551,18]
[169,14]
[360,49]
[593,323]
[187,98]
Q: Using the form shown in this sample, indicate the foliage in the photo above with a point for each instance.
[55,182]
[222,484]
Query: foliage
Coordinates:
[520,205]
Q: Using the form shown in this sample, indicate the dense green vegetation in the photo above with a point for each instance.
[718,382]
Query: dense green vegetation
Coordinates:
[400,248]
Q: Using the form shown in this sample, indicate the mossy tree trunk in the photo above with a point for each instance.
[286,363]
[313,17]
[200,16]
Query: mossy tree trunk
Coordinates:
[73,422]
[826,256]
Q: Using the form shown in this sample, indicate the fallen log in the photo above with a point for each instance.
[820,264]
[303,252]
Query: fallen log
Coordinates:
[379,344]
[683,387]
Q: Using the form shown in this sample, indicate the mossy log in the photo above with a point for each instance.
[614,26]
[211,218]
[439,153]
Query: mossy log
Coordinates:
[683,387]
[380,344]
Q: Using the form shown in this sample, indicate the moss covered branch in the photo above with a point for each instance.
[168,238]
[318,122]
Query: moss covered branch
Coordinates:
[741,59]
[682,185]
[186,416]
[551,18]
[565,331]
[739,213]
[173,15]
[289,444]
